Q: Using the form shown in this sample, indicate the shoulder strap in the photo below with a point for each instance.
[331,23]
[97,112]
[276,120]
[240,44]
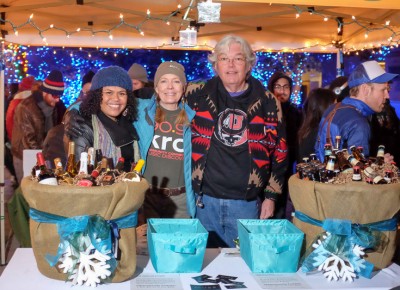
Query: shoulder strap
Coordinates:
[329,119]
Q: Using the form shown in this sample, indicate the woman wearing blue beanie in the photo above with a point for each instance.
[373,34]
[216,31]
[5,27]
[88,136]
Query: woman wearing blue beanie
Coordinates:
[108,111]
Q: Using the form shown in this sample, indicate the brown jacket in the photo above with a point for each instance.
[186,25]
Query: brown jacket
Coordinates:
[28,130]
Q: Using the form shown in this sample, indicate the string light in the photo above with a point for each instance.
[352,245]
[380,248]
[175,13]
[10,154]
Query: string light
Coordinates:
[392,40]
[167,19]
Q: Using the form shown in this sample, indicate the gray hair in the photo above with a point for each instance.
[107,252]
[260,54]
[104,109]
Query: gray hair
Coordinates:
[225,42]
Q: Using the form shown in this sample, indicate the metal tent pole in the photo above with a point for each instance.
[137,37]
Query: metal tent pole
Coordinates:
[2,185]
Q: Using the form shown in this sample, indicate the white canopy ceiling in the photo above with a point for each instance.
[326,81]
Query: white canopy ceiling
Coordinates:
[265,24]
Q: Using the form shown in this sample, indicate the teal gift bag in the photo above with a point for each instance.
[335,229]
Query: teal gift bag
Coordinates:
[176,245]
[270,246]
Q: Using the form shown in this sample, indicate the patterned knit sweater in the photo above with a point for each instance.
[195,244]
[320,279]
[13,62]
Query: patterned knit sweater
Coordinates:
[266,137]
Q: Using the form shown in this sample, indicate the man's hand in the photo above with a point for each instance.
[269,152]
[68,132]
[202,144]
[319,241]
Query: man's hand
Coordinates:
[72,124]
[267,209]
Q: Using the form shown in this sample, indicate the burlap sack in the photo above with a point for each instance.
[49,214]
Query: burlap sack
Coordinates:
[110,202]
[356,201]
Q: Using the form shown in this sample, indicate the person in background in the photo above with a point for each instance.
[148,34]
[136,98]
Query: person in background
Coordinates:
[143,88]
[340,88]
[281,85]
[368,85]
[86,84]
[314,107]
[24,91]
[138,75]
[239,150]
[34,117]
[165,144]
[385,130]
[108,112]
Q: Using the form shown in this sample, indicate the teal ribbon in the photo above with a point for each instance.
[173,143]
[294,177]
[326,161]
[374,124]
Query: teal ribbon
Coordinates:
[344,235]
[102,234]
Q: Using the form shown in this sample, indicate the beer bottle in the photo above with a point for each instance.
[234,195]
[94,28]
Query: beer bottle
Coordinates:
[71,164]
[354,162]
[380,155]
[388,176]
[356,173]
[379,180]
[337,142]
[45,176]
[358,155]
[330,168]
[327,152]
[135,174]
[343,163]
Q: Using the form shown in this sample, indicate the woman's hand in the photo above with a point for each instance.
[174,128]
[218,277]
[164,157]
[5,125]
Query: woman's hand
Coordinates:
[73,123]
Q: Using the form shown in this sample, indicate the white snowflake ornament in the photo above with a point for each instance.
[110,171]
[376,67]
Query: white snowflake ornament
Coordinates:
[92,268]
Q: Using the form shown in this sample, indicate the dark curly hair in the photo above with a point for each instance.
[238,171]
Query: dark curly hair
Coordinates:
[91,104]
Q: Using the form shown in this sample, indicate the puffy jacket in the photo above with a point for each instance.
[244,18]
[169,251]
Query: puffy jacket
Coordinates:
[350,122]
[29,131]
[145,129]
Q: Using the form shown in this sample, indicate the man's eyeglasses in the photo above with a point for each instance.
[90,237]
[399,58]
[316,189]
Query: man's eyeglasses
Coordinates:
[279,87]
[235,60]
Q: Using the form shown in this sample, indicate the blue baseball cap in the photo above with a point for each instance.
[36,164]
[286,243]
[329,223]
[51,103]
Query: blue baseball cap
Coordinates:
[369,72]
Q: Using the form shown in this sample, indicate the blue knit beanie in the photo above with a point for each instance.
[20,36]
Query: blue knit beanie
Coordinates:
[111,76]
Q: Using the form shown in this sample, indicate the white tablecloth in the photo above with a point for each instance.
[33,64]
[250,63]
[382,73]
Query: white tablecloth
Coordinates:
[22,274]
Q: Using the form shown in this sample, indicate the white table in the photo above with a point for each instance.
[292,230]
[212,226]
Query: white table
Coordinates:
[22,274]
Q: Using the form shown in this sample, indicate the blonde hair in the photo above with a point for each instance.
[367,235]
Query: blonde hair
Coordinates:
[181,119]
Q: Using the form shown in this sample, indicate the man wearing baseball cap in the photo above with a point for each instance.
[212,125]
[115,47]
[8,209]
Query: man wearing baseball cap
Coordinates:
[34,117]
[368,85]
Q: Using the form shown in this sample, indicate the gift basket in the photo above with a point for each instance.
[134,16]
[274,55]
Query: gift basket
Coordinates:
[347,207]
[346,218]
[84,234]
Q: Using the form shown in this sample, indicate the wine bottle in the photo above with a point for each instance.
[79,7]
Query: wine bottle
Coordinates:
[71,164]
[135,174]
[60,173]
[98,156]
[83,163]
[89,180]
[108,178]
[119,167]
[91,163]
[45,176]
[35,170]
